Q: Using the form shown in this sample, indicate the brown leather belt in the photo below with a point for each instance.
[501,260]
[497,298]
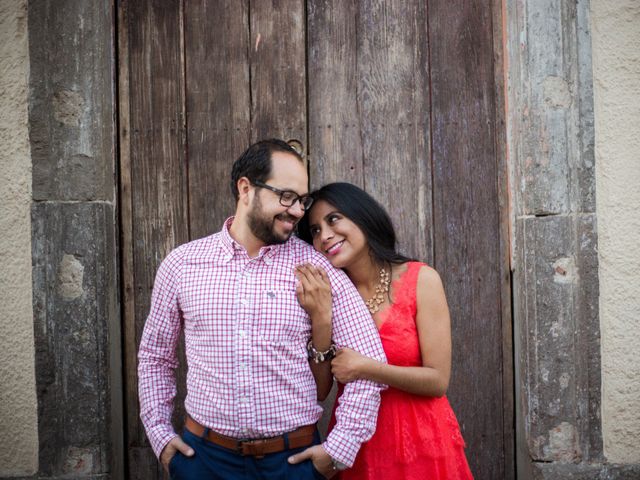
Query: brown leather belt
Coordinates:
[302,437]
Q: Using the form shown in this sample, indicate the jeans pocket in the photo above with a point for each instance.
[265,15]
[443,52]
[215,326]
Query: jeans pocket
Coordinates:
[316,473]
[172,466]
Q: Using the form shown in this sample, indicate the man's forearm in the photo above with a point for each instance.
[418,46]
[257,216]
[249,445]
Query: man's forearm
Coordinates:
[356,418]
[321,341]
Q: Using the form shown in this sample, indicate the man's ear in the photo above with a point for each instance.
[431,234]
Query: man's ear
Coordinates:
[244,188]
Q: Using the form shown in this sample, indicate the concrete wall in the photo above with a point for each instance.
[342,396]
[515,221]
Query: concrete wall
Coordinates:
[18,406]
[616,74]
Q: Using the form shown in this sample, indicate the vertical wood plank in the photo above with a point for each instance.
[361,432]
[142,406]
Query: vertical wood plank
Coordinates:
[555,260]
[369,108]
[73,248]
[467,220]
[158,174]
[278,71]
[218,106]
[393,104]
[335,130]
[125,187]
[335,136]
[557,304]
[74,241]
[504,265]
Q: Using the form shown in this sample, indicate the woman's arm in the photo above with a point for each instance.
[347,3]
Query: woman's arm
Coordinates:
[314,295]
[434,333]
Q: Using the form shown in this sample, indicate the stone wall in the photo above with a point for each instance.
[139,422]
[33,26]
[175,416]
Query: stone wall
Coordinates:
[18,407]
[616,72]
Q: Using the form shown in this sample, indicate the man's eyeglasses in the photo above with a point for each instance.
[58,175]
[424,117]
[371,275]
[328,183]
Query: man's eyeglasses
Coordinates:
[288,198]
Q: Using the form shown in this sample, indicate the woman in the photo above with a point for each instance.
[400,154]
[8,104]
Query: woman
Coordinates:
[417,435]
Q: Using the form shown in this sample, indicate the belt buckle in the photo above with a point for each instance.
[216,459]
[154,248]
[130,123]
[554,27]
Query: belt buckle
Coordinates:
[254,448]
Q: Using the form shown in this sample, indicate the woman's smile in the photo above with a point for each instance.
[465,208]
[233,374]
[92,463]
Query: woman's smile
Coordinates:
[334,249]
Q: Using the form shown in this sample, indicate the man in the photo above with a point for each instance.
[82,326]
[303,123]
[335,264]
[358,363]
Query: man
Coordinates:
[251,396]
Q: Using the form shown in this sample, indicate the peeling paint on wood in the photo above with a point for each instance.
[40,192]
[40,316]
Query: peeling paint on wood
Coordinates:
[72,309]
[75,281]
[555,240]
[71,100]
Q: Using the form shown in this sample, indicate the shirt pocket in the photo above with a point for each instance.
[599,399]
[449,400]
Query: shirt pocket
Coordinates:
[281,319]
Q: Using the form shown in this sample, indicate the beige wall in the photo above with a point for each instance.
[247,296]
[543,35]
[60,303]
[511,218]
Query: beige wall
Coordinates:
[616,70]
[18,407]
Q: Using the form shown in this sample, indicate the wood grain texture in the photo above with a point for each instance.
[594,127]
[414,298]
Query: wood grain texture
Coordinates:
[369,122]
[555,262]
[506,322]
[369,108]
[560,338]
[393,103]
[277,65]
[74,265]
[158,171]
[72,100]
[553,96]
[218,106]
[126,231]
[335,131]
[467,221]
[75,282]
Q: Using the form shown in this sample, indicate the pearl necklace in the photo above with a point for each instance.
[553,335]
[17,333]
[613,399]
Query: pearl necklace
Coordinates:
[382,288]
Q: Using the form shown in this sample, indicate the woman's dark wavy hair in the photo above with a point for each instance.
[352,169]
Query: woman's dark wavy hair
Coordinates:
[363,210]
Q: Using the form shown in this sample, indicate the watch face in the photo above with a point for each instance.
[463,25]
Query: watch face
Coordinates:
[338,465]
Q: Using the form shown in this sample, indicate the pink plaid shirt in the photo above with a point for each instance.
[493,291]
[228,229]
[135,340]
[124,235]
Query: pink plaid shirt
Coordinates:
[246,337]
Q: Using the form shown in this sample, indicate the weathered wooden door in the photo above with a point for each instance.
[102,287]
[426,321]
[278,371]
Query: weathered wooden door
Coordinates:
[401,97]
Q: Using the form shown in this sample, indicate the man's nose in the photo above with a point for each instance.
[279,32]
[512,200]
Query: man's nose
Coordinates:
[296,210]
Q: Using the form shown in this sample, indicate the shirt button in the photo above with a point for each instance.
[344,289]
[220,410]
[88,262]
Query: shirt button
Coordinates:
[242,333]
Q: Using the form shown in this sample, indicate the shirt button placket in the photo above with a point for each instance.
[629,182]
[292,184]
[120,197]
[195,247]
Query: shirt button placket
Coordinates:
[243,373]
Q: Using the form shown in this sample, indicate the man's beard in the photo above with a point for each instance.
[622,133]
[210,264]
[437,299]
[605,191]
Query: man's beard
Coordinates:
[263,227]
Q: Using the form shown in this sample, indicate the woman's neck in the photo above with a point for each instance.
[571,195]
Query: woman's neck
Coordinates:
[365,275]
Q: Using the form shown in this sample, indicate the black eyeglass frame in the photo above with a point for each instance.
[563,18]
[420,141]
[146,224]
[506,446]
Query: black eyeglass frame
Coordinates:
[305,200]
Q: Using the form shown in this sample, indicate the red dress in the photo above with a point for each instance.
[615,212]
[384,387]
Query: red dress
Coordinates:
[416,437]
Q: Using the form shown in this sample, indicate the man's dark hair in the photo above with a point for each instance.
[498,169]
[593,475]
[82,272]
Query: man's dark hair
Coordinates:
[255,162]
[363,210]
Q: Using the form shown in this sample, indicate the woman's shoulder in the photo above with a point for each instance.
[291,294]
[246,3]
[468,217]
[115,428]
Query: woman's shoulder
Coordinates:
[429,287]
[424,272]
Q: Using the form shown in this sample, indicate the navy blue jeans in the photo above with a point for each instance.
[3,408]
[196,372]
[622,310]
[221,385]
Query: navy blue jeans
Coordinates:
[214,462]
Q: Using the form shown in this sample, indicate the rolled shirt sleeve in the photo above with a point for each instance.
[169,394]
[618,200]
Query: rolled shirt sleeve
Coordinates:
[357,412]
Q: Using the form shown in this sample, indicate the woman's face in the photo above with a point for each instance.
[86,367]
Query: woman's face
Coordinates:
[336,236]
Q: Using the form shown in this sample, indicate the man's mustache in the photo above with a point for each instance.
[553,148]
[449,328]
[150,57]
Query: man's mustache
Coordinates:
[286,217]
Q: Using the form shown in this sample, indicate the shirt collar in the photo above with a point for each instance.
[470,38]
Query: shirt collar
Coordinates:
[229,246]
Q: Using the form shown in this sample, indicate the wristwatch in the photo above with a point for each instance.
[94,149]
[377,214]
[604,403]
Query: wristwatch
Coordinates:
[319,357]
[338,466]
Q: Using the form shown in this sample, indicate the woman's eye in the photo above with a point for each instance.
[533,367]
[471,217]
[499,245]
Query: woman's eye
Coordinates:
[314,231]
[333,219]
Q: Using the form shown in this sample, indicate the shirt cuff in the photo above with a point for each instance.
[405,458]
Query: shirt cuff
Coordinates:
[341,448]
[159,437]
